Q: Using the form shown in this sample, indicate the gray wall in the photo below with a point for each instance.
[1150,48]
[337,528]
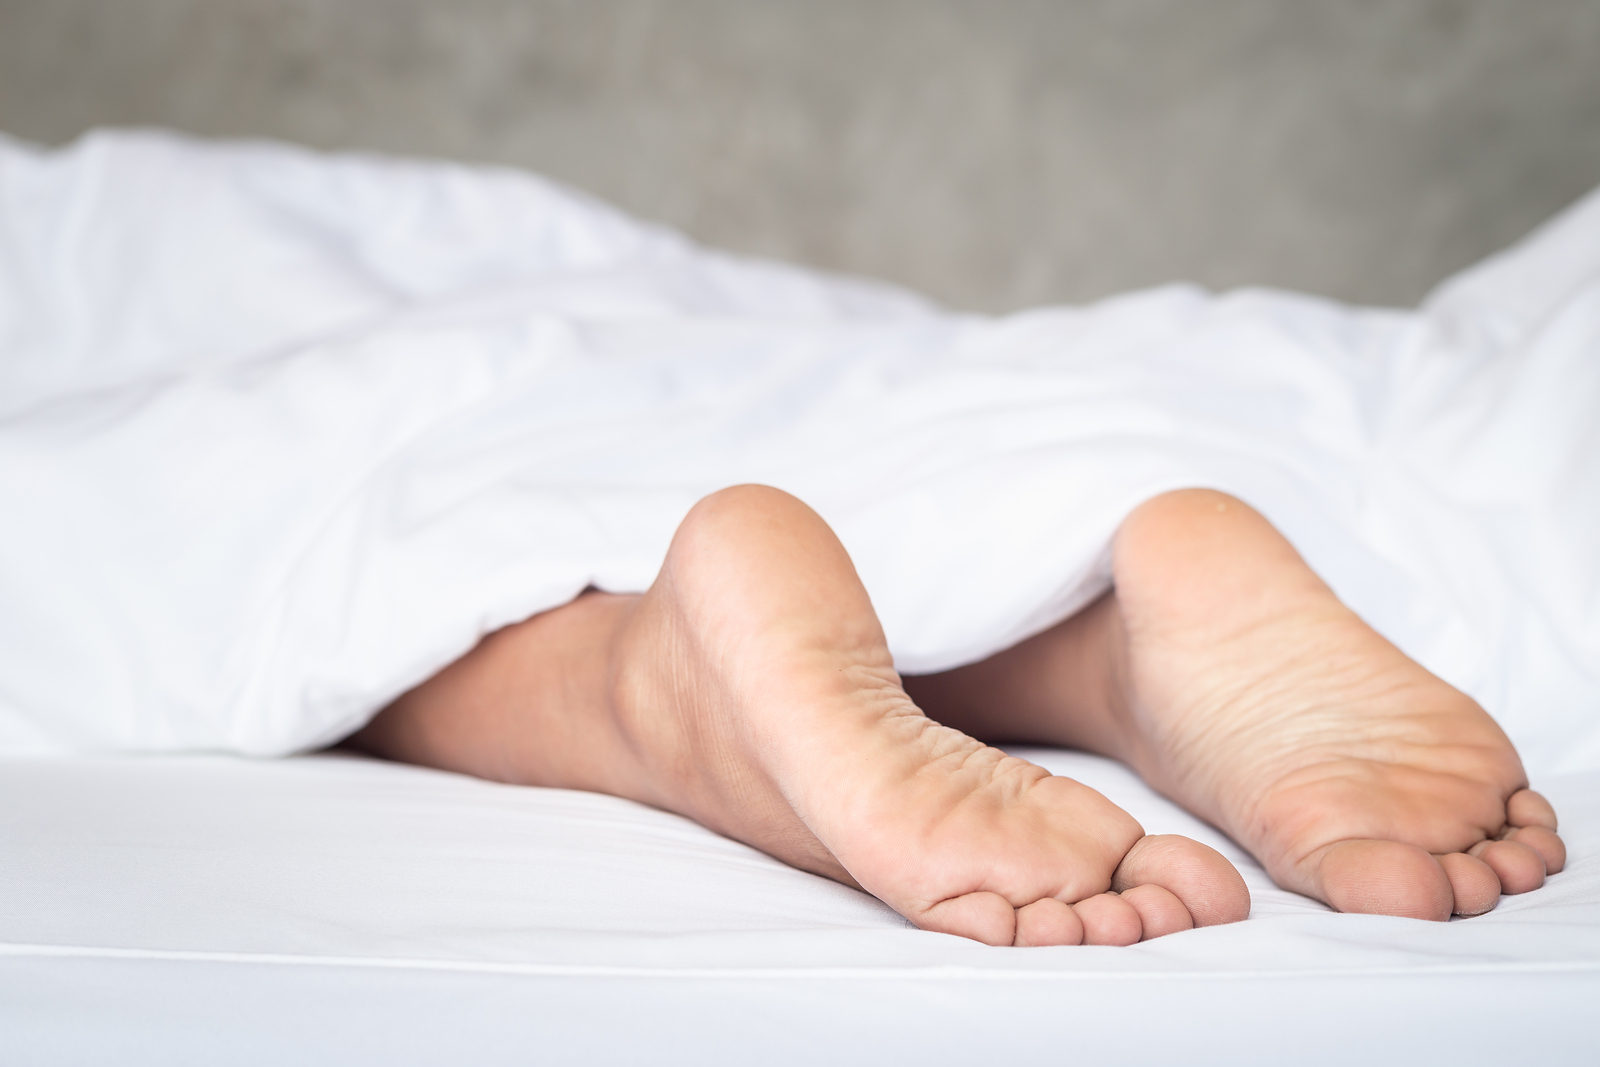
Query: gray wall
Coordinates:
[994,154]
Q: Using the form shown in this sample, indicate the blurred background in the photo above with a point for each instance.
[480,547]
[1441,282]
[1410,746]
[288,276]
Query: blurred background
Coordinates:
[992,153]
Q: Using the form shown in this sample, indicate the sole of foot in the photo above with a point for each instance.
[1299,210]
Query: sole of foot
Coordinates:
[751,688]
[1253,696]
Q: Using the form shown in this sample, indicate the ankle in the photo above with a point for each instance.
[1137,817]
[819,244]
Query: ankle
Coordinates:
[562,668]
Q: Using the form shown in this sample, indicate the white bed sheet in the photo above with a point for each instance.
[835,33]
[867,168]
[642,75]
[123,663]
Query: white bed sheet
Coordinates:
[333,909]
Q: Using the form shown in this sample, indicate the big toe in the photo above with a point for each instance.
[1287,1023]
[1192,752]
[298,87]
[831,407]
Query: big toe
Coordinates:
[1200,877]
[1382,878]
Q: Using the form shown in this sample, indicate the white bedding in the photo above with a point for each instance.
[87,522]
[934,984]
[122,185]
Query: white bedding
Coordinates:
[281,434]
[334,910]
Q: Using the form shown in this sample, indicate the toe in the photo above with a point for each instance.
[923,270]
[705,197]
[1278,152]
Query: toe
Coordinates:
[1160,912]
[1518,866]
[1382,878]
[1108,920]
[986,917]
[1473,883]
[1048,922]
[1201,878]
[1545,842]
[1527,808]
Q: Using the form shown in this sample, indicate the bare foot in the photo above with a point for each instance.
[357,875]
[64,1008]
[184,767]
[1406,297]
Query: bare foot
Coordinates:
[751,689]
[1226,673]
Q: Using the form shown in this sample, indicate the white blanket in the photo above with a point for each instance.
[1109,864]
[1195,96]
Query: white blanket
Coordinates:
[282,434]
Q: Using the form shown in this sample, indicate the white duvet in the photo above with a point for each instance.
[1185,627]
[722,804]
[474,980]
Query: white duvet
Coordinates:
[282,434]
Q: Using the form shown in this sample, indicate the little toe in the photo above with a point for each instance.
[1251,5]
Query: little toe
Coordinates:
[1473,883]
[1201,878]
[1160,912]
[1519,868]
[1382,878]
[982,916]
[1527,808]
[1545,842]
[1108,920]
[1048,922]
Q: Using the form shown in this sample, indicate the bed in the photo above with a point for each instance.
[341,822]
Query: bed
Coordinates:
[331,909]
[207,312]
